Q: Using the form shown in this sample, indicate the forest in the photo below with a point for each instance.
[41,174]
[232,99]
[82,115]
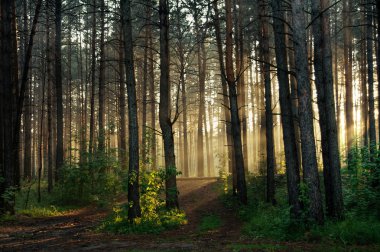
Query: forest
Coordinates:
[190,125]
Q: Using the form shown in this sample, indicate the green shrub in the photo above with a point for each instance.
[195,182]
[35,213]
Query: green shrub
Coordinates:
[27,202]
[35,211]
[96,179]
[267,222]
[361,180]
[351,231]
[210,222]
[154,216]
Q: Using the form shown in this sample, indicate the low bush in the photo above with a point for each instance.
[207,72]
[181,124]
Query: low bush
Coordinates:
[361,180]
[210,222]
[264,221]
[97,178]
[155,218]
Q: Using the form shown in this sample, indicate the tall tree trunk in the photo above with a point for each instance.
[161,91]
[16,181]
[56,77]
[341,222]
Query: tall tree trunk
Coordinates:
[185,165]
[27,109]
[240,73]
[17,113]
[12,109]
[58,87]
[211,137]
[40,142]
[7,89]
[293,89]
[289,137]
[93,84]
[49,99]
[265,55]
[326,104]
[234,110]
[371,99]
[144,150]
[378,56]
[134,210]
[122,135]
[309,160]
[227,116]
[336,76]
[102,88]
[363,75]
[349,105]
[201,111]
[164,113]
[207,145]
[152,96]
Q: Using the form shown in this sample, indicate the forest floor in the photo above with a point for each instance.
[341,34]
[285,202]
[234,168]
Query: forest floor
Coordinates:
[75,230]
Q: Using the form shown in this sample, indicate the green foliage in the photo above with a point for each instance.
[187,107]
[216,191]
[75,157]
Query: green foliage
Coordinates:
[210,222]
[362,180]
[274,223]
[9,197]
[97,178]
[38,211]
[351,231]
[149,141]
[263,221]
[154,216]
[267,221]
[27,202]
[257,247]
[7,218]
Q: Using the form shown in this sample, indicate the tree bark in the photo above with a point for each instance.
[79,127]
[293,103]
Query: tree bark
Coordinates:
[58,87]
[363,75]
[326,105]
[201,111]
[227,116]
[164,109]
[102,88]
[185,165]
[152,96]
[134,210]
[7,104]
[289,135]
[93,84]
[349,105]
[309,160]
[234,110]
[265,55]
[378,55]
[49,99]
[371,99]
[240,73]
[145,88]
[122,104]
[27,109]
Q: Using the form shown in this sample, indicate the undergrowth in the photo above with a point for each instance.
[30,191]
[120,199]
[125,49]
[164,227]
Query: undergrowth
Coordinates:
[96,179]
[210,222]
[155,218]
[361,225]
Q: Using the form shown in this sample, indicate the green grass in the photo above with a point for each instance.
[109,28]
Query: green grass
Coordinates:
[41,211]
[164,220]
[210,222]
[255,247]
[49,206]
[351,231]
[262,221]
[7,218]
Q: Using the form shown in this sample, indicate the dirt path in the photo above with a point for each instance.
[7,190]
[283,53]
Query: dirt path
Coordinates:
[74,231]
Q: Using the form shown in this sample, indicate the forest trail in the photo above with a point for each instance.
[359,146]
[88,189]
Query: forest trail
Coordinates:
[75,230]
